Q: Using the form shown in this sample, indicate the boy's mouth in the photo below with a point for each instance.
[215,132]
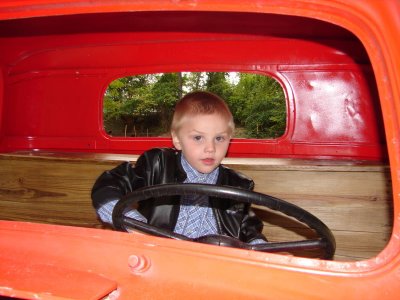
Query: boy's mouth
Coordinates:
[208,161]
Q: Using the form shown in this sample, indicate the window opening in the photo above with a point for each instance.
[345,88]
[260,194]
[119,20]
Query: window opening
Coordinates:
[142,105]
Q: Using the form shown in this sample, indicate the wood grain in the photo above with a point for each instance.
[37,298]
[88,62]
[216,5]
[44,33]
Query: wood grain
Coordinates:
[354,199]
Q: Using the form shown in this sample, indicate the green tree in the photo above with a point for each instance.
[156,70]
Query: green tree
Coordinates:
[258,104]
[194,81]
[218,84]
[166,91]
[123,99]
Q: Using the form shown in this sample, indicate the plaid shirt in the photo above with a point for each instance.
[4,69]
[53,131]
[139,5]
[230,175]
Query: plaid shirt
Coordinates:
[195,216]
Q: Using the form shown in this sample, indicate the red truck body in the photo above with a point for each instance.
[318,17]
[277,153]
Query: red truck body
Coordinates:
[337,62]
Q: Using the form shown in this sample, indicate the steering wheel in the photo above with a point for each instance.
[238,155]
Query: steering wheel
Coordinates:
[325,241]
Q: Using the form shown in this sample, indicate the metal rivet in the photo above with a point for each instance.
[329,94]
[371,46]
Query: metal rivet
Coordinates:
[138,263]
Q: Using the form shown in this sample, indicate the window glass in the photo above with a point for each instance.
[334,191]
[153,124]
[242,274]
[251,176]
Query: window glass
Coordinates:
[142,105]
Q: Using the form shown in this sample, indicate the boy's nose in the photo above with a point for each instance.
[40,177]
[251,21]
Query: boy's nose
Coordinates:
[210,147]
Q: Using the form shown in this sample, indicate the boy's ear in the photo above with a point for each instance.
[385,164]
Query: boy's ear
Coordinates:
[175,141]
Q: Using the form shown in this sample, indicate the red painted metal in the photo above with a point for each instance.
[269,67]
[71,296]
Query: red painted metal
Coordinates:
[174,269]
[53,77]
[78,64]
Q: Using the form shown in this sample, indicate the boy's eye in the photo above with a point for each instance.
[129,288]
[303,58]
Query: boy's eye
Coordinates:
[197,137]
[220,138]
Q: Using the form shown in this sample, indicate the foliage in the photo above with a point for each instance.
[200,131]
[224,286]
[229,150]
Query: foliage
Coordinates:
[126,96]
[142,105]
[259,105]
[165,92]
[217,83]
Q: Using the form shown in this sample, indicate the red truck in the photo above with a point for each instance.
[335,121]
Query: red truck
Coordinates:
[333,163]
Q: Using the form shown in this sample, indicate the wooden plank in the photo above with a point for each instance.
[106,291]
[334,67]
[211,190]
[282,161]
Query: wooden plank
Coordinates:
[354,201]
[44,191]
[355,204]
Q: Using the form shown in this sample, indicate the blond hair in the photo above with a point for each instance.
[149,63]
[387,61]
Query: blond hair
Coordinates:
[201,103]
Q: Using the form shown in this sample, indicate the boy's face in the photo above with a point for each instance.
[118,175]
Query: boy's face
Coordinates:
[204,141]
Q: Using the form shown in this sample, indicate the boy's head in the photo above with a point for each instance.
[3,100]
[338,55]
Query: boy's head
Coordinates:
[202,127]
[201,103]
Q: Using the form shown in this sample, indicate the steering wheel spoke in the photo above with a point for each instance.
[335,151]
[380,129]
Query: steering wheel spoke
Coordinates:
[290,246]
[127,222]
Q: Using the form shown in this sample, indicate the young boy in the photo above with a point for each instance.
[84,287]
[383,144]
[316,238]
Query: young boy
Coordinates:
[201,130]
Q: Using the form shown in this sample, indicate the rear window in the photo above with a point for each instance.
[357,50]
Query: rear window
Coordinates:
[142,105]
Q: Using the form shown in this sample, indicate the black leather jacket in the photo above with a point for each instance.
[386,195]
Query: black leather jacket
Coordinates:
[163,165]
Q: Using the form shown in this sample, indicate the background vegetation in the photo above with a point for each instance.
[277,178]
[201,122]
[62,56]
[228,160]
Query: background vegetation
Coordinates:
[142,105]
